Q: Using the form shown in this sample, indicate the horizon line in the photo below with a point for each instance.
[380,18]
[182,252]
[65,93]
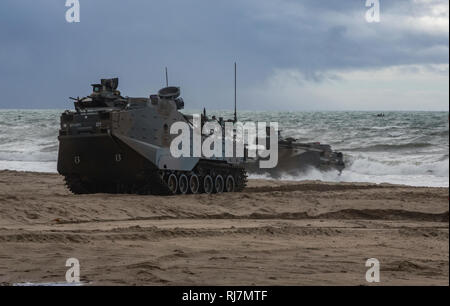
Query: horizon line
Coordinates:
[252,110]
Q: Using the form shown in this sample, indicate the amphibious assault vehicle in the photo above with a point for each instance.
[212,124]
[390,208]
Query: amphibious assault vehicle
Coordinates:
[295,158]
[116,144]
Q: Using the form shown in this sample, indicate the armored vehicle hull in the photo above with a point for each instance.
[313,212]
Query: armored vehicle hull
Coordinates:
[295,157]
[112,144]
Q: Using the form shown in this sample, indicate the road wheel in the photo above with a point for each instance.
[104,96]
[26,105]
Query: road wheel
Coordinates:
[219,184]
[208,184]
[194,184]
[172,183]
[183,184]
[230,185]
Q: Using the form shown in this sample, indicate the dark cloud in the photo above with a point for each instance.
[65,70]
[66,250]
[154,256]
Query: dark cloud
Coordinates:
[43,59]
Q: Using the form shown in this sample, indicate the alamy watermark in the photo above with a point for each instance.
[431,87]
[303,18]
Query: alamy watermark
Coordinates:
[373,273]
[373,13]
[73,13]
[73,273]
[227,140]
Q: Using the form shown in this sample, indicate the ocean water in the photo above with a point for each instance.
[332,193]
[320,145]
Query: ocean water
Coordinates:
[410,148]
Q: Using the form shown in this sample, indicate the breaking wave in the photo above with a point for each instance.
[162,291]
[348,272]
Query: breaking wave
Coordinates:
[392,147]
[410,148]
[370,171]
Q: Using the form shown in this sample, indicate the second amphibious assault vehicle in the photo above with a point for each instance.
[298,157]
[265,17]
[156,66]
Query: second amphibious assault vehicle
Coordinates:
[295,158]
[116,144]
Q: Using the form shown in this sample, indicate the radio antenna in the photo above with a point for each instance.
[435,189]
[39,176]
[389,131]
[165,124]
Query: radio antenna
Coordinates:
[235,92]
[167,78]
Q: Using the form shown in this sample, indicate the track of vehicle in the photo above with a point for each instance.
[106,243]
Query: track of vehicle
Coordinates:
[207,177]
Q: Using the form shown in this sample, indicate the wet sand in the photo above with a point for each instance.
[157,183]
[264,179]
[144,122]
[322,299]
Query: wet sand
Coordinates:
[273,233]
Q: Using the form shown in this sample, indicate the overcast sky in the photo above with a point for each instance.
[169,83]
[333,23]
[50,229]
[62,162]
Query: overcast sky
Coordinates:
[292,55]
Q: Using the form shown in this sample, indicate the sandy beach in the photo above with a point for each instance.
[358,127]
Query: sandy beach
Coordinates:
[273,233]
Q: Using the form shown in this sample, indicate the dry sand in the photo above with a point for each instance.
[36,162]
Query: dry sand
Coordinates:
[274,233]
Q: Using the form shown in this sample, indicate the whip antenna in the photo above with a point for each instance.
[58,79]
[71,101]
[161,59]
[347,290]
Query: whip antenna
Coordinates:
[167,78]
[235,92]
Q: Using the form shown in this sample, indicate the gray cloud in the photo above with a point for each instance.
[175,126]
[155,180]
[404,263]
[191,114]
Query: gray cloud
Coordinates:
[43,60]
